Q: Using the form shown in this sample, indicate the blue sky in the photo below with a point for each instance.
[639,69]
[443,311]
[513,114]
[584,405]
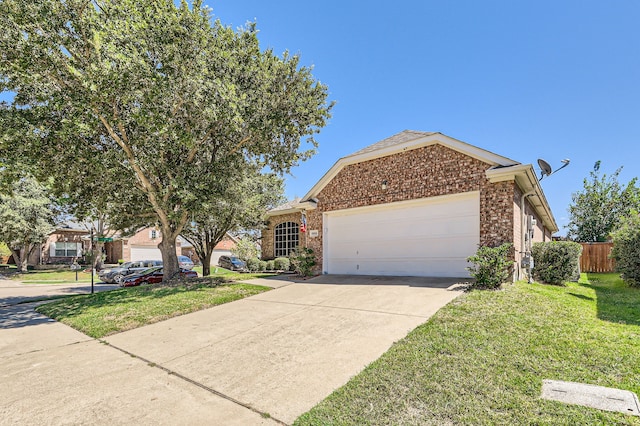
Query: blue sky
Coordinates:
[524,79]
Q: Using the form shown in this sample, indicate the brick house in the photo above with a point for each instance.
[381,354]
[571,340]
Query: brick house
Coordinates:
[416,203]
[143,245]
[223,248]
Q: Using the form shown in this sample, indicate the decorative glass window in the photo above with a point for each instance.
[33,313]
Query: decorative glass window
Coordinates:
[287,235]
[61,249]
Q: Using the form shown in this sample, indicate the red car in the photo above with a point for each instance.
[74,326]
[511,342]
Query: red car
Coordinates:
[152,276]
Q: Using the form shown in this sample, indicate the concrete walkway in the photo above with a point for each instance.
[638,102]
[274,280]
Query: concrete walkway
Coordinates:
[262,360]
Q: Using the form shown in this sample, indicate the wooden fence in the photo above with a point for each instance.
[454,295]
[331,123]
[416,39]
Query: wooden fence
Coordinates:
[595,257]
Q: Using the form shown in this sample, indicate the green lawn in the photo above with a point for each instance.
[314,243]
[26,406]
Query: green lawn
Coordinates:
[109,312]
[67,276]
[481,360]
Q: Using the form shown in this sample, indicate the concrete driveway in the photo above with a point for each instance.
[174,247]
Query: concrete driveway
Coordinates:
[262,360]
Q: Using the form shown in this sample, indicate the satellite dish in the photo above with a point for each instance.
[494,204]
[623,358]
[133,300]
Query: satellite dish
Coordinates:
[545,168]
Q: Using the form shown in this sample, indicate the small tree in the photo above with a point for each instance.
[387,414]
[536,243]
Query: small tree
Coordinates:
[26,219]
[302,261]
[626,250]
[556,261]
[492,266]
[596,211]
[245,249]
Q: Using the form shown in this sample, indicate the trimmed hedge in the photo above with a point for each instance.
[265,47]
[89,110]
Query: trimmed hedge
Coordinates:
[492,266]
[253,264]
[626,250]
[282,263]
[556,261]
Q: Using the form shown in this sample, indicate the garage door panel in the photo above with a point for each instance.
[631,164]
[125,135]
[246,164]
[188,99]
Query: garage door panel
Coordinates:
[426,237]
[145,253]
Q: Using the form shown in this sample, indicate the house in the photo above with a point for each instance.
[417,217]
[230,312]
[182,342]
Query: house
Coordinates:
[223,248]
[416,203]
[143,245]
[71,241]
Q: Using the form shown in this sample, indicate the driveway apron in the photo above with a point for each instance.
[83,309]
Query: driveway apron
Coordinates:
[283,351]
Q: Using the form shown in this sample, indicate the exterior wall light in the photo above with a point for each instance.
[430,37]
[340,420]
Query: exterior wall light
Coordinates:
[384,184]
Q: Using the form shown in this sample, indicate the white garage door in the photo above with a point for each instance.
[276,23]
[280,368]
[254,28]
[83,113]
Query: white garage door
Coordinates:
[427,237]
[145,253]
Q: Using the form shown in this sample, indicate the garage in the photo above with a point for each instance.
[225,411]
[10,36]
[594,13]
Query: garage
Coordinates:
[145,253]
[424,237]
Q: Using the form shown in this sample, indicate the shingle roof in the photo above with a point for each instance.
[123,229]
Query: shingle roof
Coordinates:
[286,206]
[397,139]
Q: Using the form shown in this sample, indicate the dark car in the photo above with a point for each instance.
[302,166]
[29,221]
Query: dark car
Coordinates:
[152,276]
[232,263]
[114,275]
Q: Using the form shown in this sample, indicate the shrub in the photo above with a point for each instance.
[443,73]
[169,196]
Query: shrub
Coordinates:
[302,261]
[556,261]
[626,250]
[262,265]
[492,266]
[271,265]
[282,263]
[253,264]
[245,249]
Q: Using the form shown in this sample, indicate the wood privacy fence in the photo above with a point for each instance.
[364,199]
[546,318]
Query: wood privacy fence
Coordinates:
[595,257]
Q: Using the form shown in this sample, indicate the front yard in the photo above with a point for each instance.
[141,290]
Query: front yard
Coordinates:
[482,359]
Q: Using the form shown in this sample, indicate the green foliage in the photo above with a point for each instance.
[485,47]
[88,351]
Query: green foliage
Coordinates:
[270,265]
[492,266]
[253,264]
[263,266]
[26,218]
[302,261]
[556,262]
[282,263]
[4,250]
[151,101]
[626,250]
[245,249]
[596,211]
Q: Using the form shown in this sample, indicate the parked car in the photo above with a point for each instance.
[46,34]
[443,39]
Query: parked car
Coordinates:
[115,275]
[185,262]
[232,263]
[152,276]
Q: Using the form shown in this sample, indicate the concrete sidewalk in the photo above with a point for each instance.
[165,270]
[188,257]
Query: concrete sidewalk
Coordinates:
[262,360]
[14,292]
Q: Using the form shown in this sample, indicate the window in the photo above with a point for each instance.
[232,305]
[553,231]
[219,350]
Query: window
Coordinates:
[287,237]
[154,233]
[61,249]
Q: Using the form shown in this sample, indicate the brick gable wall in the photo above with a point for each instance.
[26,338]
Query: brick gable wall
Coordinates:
[429,171]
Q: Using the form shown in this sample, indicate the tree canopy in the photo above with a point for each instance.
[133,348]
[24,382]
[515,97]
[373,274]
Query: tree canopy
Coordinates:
[150,97]
[26,218]
[597,211]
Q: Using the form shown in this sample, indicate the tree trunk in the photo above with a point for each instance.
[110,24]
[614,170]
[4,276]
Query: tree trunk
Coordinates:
[206,262]
[21,257]
[169,257]
[97,255]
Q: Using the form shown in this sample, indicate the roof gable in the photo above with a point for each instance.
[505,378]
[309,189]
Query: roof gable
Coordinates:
[405,141]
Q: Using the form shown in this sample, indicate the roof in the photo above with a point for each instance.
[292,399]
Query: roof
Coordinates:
[405,141]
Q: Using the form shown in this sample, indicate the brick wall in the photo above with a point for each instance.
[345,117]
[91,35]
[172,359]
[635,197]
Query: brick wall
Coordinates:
[420,173]
[268,242]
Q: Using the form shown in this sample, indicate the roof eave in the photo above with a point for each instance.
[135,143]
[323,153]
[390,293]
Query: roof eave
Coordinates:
[525,177]
[298,207]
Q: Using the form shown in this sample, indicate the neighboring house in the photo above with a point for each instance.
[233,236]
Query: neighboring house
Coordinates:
[63,245]
[223,248]
[143,245]
[417,204]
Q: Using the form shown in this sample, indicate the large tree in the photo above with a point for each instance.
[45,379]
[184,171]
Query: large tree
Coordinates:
[241,206]
[597,210]
[26,218]
[172,101]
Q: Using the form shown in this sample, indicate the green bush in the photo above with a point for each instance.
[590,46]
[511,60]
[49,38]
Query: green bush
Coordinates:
[626,250]
[492,266]
[282,263]
[271,265]
[262,266]
[253,264]
[302,261]
[556,261]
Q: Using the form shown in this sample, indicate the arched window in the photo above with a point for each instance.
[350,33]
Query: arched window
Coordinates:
[287,237]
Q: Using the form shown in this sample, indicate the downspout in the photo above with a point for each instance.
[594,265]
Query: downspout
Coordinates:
[522,233]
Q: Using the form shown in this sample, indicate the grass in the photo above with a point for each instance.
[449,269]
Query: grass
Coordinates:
[481,360]
[105,313]
[67,276]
